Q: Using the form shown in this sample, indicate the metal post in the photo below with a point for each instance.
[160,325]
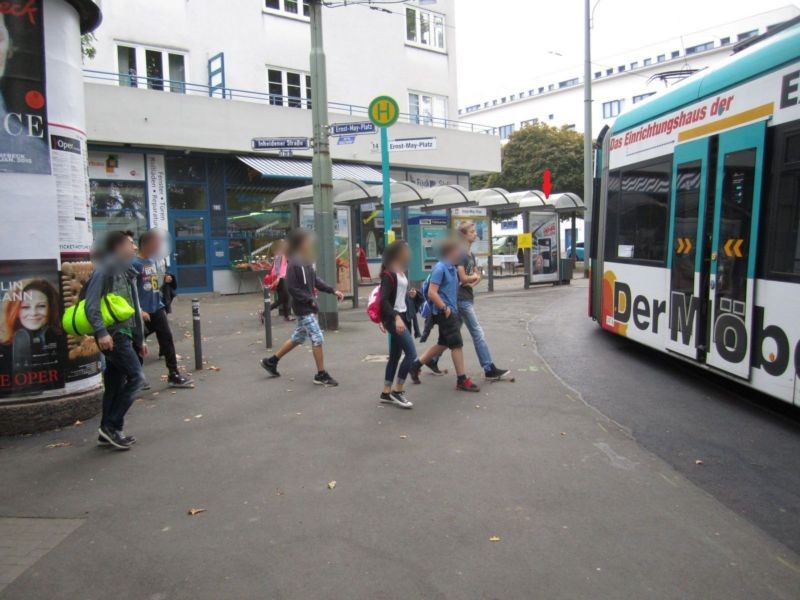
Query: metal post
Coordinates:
[322,176]
[267,319]
[490,261]
[526,254]
[587,130]
[198,339]
[354,274]
[387,186]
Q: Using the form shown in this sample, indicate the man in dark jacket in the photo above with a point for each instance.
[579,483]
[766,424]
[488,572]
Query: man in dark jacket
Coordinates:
[122,343]
[302,283]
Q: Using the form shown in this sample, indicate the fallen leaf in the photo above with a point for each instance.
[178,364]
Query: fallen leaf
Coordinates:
[196,511]
[198,416]
[60,445]
[331,485]
[187,420]
[156,393]
[494,538]
[403,437]
[477,406]
[698,462]
[563,433]
[77,423]
[173,392]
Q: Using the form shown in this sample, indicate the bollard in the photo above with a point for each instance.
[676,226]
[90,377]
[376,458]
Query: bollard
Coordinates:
[267,319]
[198,340]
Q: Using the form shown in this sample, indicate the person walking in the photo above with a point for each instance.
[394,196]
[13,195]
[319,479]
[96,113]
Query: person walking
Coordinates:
[469,277]
[279,265]
[122,343]
[442,294]
[302,283]
[397,309]
[154,312]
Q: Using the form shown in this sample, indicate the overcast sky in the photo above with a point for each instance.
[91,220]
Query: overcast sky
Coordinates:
[505,46]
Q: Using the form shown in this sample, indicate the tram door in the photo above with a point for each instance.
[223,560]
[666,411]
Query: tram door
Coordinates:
[689,250]
[737,203]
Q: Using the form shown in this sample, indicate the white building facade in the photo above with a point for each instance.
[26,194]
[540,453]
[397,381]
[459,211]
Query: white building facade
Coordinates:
[617,85]
[177,90]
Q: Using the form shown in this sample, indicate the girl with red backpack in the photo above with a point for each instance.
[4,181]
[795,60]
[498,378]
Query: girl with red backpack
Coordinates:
[397,309]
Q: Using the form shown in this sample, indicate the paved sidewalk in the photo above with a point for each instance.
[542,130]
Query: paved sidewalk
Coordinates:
[578,508]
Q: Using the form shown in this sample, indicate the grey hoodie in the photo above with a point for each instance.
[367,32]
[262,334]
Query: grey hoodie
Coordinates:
[116,276]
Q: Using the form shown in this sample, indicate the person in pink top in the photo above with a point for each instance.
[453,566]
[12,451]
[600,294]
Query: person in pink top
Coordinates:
[282,298]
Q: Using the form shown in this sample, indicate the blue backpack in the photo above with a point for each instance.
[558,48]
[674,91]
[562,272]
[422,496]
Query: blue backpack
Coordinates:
[427,308]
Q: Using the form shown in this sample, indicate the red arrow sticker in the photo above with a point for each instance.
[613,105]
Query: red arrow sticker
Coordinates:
[546,184]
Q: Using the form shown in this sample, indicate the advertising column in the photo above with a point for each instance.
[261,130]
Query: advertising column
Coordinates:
[46,229]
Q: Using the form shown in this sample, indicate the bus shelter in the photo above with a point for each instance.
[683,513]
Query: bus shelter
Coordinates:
[348,196]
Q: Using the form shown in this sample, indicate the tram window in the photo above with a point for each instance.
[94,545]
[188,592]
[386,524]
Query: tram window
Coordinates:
[636,224]
[783,226]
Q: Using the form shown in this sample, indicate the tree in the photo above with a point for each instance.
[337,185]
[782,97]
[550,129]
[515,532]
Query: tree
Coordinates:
[87,46]
[532,150]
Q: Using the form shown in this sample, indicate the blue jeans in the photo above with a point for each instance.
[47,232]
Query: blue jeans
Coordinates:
[466,309]
[123,377]
[399,344]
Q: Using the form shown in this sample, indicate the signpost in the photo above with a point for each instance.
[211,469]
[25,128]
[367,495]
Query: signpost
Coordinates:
[293,143]
[384,112]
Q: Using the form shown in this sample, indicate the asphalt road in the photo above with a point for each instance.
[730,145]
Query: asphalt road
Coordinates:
[748,442]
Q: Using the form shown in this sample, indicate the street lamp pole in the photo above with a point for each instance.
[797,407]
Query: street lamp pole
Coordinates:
[322,170]
[587,133]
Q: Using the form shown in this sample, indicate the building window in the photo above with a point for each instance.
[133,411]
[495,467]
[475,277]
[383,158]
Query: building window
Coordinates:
[621,68]
[531,92]
[598,74]
[609,71]
[568,83]
[647,62]
[427,109]
[634,65]
[661,58]
[746,35]
[724,41]
[541,90]
[503,100]
[636,221]
[151,68]
[289,88]
[425,28]
[288,7]
[639,97]
[676,53]
[551,87]
[529,122]
[551,116]
[612,108]
[699,48]
[505,131]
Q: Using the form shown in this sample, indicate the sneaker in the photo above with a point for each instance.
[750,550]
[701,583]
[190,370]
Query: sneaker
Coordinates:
[413,372]
[177,380]
[145,386]
[270,365]
[496,374]
[324,378]
[399,399]
[128,438]
[101,441]
[114,438]
[433,365]
[467,385]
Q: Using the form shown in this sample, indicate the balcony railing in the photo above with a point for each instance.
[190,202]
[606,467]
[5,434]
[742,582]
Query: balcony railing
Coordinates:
[227,93]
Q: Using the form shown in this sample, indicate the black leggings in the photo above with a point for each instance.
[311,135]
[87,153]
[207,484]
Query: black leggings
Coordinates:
[282,299]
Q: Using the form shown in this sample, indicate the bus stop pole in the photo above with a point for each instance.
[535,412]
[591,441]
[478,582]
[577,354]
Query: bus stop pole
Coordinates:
[490,261]
[354,273]
[526,254]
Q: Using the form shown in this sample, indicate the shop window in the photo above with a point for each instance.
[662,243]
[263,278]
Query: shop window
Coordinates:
[427,109]
[151,68]
[636,222]
[372,228]
[289,88]
[186,196]
[425,28]
[118,205]
[186,168]
[287,7]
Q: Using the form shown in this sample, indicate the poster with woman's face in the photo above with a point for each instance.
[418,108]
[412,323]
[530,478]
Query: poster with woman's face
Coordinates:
[31,339]
[23,108]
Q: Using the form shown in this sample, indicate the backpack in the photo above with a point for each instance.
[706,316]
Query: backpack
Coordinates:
[374,304]
[427,309]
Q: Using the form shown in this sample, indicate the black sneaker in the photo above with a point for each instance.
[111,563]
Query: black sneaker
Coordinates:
[413,372]
[101,441]
[270,365]
[398,399]
[467,385]
[496,374]
[325,379]
[433,365]
[177,380]
[145,386]
[128,438]
[114,438]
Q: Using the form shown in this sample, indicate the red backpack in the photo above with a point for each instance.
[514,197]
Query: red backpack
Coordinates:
[374,305]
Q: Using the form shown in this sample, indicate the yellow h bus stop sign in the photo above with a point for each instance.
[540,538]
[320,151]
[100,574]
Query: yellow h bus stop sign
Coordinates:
[384,111]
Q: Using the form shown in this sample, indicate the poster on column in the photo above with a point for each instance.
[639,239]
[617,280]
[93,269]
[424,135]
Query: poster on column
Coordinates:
[31,339]
[69,163]
[24,142]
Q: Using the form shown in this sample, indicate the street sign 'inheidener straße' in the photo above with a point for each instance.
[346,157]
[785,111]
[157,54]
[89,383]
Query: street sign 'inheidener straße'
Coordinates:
[280,143]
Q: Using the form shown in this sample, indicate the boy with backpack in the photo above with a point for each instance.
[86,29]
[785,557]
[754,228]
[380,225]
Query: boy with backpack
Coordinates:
[442,297]
[302,283]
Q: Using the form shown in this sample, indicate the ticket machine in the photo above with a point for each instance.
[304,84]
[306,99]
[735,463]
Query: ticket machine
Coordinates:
[425,234]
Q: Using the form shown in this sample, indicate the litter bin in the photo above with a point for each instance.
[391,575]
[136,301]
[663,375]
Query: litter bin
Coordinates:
[566,267]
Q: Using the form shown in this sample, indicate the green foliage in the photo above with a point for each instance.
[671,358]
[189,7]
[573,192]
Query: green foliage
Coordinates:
[87,45]
[532,150]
